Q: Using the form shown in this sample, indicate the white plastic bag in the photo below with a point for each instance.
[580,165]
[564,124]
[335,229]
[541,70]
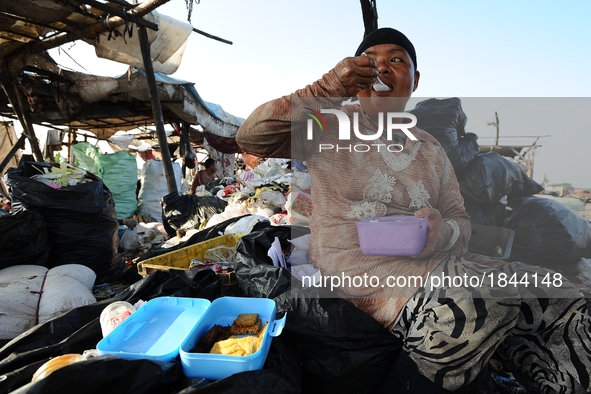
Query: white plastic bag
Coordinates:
[299,255]
[129,241]
[220,254]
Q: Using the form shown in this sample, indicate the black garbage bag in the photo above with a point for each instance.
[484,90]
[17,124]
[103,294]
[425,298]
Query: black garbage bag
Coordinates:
[445,120]
[179,212]
[81,220]
[441,113]
[188,211]
[548,234]
[340,348]
[215,185]
[175,283]
[260,278]
[493,215]
[460,150]
[23,239]
[490,176]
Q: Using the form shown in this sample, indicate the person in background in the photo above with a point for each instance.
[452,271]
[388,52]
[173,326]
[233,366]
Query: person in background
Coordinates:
[448,332]
[203,177]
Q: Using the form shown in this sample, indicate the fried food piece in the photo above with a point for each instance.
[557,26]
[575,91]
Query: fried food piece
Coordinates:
[215,334]
[246,324]
[246,330]
[246,320]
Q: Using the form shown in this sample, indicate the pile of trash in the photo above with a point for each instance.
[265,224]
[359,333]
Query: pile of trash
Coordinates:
[273,191]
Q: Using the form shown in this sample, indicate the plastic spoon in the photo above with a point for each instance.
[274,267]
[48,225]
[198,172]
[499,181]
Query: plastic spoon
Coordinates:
[379,86]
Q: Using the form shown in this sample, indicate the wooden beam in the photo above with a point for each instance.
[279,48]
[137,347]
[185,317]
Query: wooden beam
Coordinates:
[119,12]
[19,144]
[91,31]
[10,17]
[17,101]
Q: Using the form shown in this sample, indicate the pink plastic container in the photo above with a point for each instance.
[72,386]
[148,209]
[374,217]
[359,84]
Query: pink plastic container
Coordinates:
[392,235]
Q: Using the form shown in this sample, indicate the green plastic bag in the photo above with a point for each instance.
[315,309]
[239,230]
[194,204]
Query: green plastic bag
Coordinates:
[117,170]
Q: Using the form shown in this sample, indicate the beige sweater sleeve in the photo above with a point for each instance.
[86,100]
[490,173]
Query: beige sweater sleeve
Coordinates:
[267,132]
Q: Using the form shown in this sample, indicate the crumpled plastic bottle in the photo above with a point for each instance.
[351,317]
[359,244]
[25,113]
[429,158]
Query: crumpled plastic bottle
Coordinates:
[114,314]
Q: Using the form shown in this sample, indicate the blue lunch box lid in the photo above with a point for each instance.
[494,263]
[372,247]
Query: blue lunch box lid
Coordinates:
[156,330]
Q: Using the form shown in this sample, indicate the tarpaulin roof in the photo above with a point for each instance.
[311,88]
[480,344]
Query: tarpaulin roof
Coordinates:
[103,105]
[33,26]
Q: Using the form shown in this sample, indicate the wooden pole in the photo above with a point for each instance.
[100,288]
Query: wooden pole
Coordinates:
[497,124]
[157,110]
[19,144]
[71,137]
[17,101]
[533,152]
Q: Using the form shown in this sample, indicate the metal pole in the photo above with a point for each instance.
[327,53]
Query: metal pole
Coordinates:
[185,148]
[212,36]
[157,110]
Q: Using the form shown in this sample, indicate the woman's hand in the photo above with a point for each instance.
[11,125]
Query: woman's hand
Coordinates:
[357,73]
[438,232]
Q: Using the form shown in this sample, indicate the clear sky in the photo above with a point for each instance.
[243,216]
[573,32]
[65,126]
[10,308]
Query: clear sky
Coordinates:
[516,49]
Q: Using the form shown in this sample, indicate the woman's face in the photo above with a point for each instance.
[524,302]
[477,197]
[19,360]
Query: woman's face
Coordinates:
[397,71]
